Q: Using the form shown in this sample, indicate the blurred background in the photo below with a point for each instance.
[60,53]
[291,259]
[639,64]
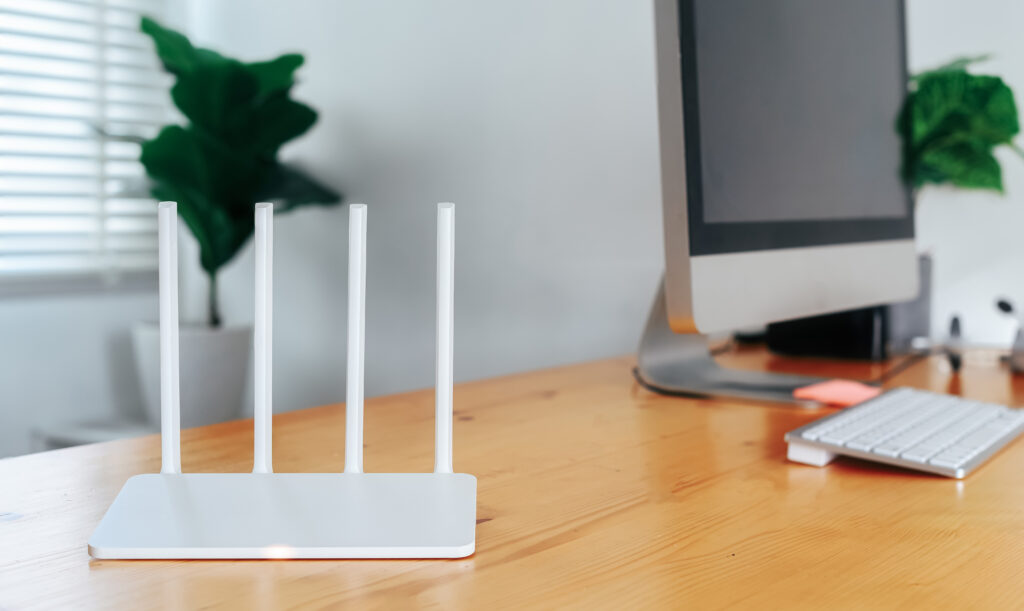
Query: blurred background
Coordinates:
[538,119]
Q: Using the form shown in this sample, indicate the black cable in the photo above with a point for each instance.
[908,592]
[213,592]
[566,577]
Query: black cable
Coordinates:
[726,346]
[908,361]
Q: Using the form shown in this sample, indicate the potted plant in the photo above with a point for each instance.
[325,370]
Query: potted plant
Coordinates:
[217,165]
[951,123]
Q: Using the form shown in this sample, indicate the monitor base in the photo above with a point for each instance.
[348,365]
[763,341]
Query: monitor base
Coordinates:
[680,364]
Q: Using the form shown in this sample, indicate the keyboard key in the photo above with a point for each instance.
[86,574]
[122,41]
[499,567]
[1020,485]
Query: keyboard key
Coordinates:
[947,436]
[896,428]
[921,453]
[924,429]
[950,459]
[977,442]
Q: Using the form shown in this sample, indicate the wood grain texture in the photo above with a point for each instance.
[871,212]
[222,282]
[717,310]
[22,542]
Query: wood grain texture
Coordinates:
[593,493]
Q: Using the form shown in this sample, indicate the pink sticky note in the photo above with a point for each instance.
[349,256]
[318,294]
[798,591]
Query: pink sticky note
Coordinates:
[842,393]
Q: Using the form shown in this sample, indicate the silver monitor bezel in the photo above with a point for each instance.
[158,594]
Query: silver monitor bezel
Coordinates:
[715,289]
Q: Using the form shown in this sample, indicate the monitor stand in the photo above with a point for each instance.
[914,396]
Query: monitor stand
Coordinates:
[681,364]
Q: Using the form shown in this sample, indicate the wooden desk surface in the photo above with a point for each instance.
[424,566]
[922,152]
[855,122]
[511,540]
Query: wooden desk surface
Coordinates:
[593,493]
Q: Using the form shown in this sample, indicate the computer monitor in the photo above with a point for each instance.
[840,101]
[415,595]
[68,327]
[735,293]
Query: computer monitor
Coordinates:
[780,163]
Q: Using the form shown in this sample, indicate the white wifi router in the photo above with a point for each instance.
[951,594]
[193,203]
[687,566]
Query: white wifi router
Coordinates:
[295,515]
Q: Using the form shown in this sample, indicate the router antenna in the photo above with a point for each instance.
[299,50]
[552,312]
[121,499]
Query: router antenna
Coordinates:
[445,338]
[263,340]
[170,405]
[356,338]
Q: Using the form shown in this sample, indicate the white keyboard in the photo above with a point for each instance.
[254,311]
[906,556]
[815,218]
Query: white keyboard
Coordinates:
[910,428]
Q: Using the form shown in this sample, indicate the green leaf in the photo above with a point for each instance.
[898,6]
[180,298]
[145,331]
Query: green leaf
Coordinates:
[969,165]
[290,188]
[960,64]
[217,97]
[174,50]
[996,122]
[176,53]
[950,125]
[174,155]
[186,169]
[281,119]
[277,74]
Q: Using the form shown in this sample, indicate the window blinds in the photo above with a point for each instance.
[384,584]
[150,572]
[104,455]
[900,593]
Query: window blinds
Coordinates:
[79,87]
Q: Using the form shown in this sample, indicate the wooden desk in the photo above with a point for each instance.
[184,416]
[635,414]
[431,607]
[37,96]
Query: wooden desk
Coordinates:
[594,493]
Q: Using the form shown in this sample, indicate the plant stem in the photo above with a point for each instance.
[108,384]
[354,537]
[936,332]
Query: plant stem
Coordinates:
[214,313]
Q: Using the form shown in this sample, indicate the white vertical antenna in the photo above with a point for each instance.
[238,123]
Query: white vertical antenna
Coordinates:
[443,405]
[263,340]
[356,338]
[170,407]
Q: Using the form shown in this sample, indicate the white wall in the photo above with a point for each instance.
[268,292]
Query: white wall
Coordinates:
[537,118]
[976,237]
[66,358]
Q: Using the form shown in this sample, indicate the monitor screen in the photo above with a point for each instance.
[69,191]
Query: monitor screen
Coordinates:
[790,110]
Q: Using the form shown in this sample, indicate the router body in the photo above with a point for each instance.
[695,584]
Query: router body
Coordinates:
[175,515]
[290,515]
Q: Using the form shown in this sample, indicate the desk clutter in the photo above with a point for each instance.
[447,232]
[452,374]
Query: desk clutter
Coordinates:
[175,515]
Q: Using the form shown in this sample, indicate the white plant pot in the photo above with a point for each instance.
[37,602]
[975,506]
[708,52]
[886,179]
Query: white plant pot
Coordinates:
[213,371]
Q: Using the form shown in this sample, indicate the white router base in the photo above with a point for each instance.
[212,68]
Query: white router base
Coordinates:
[290,515]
